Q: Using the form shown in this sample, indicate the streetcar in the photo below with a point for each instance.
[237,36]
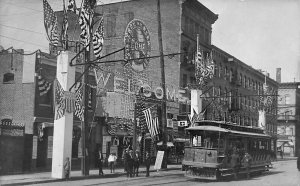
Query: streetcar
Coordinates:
[212,144]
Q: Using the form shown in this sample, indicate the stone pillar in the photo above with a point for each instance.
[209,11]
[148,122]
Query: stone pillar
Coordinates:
[196,101]
[63,127]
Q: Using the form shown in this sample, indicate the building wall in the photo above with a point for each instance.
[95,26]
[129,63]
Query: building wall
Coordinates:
[288,118]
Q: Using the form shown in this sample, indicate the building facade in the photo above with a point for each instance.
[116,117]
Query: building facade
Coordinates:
[131,32]
[288,118]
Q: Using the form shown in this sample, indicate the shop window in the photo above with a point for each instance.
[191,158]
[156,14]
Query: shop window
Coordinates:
[9,78]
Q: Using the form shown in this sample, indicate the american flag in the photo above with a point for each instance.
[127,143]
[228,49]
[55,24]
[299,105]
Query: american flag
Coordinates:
[112,127]
[60,101]
[79,108]
[194,118]
[85,19]
[50,23]
[72,6]
[43,85]
[98,39]
[152,124]
[64,29]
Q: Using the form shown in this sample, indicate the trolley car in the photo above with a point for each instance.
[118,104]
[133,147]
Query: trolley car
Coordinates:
[212,144]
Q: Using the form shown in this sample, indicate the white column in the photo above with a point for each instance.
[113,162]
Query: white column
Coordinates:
[63,127]
[262,119]
[196,101]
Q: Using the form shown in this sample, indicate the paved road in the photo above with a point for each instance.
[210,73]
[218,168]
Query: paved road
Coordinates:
[283,174]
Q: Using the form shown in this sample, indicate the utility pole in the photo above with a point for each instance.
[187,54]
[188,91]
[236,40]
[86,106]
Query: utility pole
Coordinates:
[163,81]
[85,162]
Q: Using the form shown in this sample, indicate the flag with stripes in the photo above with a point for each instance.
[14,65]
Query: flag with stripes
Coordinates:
[98,39]
[152,124]
[79,108]
[70,101]
[112,126]
[64,29]
[60,101]
[43,85]
[72,6]
[50,23]
[85,19]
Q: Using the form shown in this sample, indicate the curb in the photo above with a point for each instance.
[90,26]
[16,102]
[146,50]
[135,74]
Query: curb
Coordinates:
[111,175]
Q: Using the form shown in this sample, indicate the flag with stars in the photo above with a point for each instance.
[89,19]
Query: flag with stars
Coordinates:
[50,23]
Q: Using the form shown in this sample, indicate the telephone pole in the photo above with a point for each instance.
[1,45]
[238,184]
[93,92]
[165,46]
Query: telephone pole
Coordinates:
[163,81]
[85,162]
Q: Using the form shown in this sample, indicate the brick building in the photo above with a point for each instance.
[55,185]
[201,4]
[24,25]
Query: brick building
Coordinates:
[288,118]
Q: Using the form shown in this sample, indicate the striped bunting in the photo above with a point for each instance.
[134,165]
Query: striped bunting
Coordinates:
[43,85]
[85,19]
[79,108]
[60,101]
[98,39]
[151,123]
[50,23]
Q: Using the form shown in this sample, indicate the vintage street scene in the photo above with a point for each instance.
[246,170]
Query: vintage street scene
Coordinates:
[150,92]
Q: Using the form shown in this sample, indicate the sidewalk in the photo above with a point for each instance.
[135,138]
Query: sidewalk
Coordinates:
[45,177]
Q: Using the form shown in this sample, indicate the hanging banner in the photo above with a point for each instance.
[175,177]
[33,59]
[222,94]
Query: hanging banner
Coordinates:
[137,44]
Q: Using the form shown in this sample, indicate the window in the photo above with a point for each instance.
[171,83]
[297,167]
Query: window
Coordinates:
[184,80]
[241,80]
[111,26]
[8,78]
[245,82]
[220,71]
[128,17]
[225,72]
[231,75]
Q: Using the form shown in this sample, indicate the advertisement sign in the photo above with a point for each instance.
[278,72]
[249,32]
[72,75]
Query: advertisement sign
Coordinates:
[137,44]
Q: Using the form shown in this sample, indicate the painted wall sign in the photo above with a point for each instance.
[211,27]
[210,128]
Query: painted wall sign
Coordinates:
[137,44]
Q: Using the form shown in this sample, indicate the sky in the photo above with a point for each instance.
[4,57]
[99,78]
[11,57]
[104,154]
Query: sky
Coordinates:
[264,34]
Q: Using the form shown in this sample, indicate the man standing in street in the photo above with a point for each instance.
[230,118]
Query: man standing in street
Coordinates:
[235,163]
[136,164]
[247,161]
[147,162]
[100,162]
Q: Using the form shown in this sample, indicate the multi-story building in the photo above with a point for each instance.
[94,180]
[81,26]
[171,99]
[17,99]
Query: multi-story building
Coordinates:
[288,118]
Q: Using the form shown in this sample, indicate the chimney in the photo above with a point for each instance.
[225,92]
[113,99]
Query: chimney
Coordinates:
[278,75]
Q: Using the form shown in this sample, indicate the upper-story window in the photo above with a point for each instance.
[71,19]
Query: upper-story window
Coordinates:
[241,80]
[230,75]
[245,82]
[225,73]
[220,70]
[216,74]
[9,78]
[111,26]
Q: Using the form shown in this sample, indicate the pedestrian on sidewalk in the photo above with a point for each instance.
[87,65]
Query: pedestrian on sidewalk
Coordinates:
[130,162]
[147,162]
[112,161]
[136,164]
[67,167]
[100,162]
[124,158]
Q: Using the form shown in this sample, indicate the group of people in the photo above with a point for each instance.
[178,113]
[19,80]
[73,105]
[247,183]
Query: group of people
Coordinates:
[236,161]
[131,162]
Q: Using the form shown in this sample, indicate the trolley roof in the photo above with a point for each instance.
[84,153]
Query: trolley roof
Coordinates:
[226,130]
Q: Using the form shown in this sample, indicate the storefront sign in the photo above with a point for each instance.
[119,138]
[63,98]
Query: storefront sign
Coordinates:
[137,44]
[159,159]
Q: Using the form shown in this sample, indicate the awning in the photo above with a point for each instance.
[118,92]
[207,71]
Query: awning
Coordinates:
[169,144]
[207,128]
